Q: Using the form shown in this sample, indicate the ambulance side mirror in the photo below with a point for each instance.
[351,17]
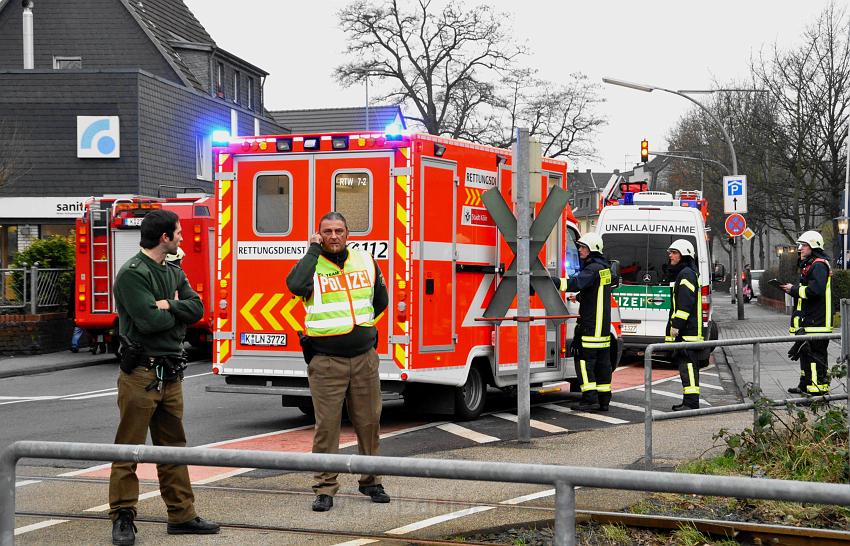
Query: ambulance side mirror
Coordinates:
[615,274]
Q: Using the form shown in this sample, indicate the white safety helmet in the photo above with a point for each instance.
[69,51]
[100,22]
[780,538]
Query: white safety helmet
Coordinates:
[683,247]
[811,238]
[176,256]
[592,241]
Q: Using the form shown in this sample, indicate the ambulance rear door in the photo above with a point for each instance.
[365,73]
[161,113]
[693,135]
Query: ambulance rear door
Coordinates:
[272,221]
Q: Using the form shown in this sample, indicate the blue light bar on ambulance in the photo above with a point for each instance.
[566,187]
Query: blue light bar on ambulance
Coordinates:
[393,131]
[220,137]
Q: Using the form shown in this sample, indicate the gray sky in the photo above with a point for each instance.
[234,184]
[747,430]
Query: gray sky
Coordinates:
[671,43]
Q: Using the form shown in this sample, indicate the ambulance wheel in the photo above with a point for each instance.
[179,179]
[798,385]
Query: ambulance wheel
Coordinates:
[469,399]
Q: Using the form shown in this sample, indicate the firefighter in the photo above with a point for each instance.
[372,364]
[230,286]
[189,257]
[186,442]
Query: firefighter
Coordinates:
[344,295]
[592,339]
[685,322]
[155,304]
[812,313]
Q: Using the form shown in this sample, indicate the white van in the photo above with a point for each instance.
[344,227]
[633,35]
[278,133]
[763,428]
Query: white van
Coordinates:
[638,235]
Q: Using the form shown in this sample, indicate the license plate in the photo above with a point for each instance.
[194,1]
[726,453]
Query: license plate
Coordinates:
[265,340]
[629,328]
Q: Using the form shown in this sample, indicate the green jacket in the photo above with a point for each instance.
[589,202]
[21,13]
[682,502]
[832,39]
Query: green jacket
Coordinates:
[138,285]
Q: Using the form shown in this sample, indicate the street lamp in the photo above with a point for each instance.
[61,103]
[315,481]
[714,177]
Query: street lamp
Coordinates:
[650,88]
[780,250]
[842,222]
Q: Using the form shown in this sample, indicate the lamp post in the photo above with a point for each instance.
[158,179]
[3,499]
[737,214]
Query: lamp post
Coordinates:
[737,254]
[842,222]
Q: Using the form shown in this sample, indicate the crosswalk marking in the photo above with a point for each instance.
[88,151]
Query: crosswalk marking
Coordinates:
[586,415]
[438,519]
[532,496]
[709,374]
[467,433]
[705,385]
[539,425]
[672,395]
[632,407]
[39,525]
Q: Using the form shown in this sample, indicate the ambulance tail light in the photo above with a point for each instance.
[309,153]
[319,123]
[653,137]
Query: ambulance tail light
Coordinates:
[706,303]
[223,294]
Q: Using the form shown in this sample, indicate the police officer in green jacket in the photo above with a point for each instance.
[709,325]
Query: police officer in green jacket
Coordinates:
[155,305]
[812,313]
[593,331]
[685,321]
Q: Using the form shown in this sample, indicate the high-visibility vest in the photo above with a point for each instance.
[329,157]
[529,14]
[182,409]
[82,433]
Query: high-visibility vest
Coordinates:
[341,298]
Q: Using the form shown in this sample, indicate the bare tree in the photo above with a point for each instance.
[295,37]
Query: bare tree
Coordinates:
[440,63]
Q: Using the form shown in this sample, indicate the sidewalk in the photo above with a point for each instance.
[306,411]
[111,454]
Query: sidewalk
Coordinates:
[13,366]
[778,372]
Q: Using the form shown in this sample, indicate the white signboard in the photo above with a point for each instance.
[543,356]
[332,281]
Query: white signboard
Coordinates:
[295,250]
[735,194]
[98,137]
[42,207]
[477,178]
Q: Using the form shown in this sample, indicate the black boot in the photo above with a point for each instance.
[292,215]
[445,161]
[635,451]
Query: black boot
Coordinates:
[689,402]
[123,529]
[604,400]
[589,401]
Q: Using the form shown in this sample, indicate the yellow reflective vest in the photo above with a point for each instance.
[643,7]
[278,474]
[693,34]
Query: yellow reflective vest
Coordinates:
[341,298]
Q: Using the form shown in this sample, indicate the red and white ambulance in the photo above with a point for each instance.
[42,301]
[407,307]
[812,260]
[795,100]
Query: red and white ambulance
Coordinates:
[414,202]
[108,235]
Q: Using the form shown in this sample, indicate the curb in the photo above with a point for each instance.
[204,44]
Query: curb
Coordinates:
[55,367]
[736,373]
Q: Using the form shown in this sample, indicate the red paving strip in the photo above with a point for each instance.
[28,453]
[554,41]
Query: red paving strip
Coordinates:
[632,376]
[295,441]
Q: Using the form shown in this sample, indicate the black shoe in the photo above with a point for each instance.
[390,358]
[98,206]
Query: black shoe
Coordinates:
[75,350]
[123,529]
[683,407]
[376,492]
[796,390]
[585,406]
[323,503]
[197,526]
[603,407]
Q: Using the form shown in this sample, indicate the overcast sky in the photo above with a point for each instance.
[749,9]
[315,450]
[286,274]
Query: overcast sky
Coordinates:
[670,43]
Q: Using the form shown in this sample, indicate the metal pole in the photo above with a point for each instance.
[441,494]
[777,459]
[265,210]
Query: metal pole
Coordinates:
[647,416]
[756,379]
[367,102]
[846,199]
[8,461]
[845,352]
[34,289]
[521,165]
[565,514]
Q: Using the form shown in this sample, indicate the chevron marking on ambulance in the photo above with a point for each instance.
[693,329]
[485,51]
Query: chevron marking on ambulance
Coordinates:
[287,315]
[266,311]
[246,311]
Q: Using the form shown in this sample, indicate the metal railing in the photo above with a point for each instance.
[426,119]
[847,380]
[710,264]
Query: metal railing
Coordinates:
[756,342]
[34,288]
[564,478]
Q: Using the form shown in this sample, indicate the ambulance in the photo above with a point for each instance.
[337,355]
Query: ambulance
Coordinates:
[107,236]
[414,201]
[636,230]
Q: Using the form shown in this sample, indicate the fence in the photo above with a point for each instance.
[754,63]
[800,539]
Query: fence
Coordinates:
[756,342]
[34,289]
[564,478]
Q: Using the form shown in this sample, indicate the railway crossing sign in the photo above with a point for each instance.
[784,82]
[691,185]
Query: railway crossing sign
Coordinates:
[735,225]
[735,194]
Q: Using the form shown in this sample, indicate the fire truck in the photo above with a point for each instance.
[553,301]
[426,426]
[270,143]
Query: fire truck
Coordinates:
[414,202]
[107,236]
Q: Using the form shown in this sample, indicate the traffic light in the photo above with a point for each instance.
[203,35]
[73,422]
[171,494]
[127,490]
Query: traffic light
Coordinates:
[644,150]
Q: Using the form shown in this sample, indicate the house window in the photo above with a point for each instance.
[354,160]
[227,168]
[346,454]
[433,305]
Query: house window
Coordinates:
[250,93]
[67,63]
[237,77]
[203,157]
[219,80]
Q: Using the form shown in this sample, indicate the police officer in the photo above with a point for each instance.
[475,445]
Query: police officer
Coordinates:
[155,304]
[343,294]
[685,322]
[812,313]
[592,339]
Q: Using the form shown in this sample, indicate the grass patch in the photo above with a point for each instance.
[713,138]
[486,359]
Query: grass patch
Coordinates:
[618,534]
[688,535]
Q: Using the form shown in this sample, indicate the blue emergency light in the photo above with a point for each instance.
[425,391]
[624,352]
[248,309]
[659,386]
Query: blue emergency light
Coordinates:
[220,137]
[393,131]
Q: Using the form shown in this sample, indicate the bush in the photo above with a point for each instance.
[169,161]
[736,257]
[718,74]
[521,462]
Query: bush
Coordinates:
[55,251]
[787,271]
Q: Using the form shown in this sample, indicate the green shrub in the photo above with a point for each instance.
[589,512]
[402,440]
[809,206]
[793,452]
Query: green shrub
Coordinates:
[55,251]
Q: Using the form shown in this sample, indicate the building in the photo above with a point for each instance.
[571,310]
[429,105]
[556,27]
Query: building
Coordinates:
[585,190]
[117,97]
[358,118]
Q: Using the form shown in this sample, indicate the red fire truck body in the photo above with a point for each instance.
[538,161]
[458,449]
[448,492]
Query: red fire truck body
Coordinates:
[412,201]
[108,235]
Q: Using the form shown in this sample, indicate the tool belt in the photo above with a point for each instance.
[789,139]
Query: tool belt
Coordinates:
[167,368]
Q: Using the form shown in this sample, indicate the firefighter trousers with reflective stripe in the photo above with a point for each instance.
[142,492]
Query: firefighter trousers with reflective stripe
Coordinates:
[814,371]
[334,380]
[687,361]
[161,411]
[593,368]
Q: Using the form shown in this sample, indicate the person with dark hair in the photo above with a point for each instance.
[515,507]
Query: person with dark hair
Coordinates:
[344,295]
[685,321]
[155,304]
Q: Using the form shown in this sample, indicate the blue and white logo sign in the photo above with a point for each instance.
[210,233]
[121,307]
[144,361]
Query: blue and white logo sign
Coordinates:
[98,137]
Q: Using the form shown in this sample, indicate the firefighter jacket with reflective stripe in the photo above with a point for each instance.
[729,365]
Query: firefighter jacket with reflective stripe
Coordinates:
[686,306]
[593,284]
[813,297]
[341,298]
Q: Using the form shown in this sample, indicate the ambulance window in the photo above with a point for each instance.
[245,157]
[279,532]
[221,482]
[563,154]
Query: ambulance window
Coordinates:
[571,259]
[272,204]
[352,198]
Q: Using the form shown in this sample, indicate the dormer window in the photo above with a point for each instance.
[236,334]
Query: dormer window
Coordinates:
[250,93]
[219,80]
[236,81]
[67,63]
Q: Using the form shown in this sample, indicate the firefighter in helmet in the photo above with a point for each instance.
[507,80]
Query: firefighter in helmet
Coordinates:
[685,322]
[592,341]
[812,313]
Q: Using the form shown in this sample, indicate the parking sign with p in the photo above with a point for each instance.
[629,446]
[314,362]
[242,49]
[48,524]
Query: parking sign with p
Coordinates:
[735,194]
